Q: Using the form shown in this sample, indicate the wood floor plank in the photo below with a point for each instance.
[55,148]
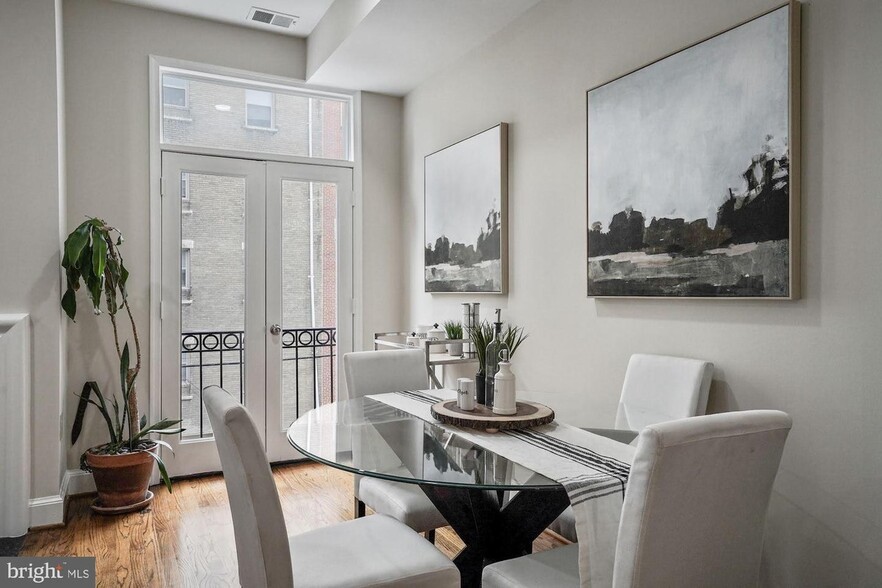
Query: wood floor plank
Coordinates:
[186,538]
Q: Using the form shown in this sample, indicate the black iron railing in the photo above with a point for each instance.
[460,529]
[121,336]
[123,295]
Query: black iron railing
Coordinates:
[317,348]
[217,357]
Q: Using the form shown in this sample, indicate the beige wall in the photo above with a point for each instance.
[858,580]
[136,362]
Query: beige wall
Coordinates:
[815,358]
[382,295]
[107,45]
[32,192]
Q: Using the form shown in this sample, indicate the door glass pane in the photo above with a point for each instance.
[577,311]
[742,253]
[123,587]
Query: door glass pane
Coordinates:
[212,293]
[309,296]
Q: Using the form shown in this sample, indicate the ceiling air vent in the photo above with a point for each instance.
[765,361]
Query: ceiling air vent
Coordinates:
[270,17]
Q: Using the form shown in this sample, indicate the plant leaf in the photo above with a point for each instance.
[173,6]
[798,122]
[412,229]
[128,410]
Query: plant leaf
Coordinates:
[124,372]
[123,277]
[74,244]
[81,412]
[99,253]
[163,473]
[160,427]
[88,388]
[164,444]
[116,412]
[94,284]
[73,277]
[168,431]
[69,303]
[143,422]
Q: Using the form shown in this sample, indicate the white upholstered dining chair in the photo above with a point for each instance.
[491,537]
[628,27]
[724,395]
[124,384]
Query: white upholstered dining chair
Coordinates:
[657,388]
[364,552]
[378,372]
[694,510]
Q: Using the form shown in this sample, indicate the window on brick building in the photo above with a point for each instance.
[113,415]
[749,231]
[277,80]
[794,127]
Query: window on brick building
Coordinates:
[258,109]
[175,92]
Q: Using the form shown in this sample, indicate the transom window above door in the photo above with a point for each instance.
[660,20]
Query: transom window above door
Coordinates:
[222,112]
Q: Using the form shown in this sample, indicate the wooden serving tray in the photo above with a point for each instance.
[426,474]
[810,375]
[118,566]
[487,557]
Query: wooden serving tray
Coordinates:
[529,414]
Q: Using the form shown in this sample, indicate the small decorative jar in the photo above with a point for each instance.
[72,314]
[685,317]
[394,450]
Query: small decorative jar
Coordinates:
[436,333]
[465,394]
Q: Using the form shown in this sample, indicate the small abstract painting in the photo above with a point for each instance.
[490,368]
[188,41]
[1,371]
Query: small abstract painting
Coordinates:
[466,214]
[692,170]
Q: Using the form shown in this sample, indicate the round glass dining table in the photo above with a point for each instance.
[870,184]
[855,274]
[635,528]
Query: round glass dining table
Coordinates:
[496,506]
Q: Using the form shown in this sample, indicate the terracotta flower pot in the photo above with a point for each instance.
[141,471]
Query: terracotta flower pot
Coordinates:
[122,479]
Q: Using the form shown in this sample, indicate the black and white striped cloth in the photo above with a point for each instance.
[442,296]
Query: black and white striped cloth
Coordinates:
[593,469]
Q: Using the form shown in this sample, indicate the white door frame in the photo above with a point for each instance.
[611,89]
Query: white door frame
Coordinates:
[155,62]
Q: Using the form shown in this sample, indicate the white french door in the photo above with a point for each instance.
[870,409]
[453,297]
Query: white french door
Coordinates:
[308,292]
[256,294]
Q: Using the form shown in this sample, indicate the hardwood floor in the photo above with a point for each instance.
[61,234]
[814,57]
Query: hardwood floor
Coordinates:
[186,538]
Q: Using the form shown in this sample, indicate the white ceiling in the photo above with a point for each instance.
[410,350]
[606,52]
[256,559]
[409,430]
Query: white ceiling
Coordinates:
[401,43]
[386,46]
[310,12]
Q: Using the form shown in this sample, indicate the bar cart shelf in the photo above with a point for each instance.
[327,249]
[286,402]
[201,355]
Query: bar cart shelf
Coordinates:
[435,350]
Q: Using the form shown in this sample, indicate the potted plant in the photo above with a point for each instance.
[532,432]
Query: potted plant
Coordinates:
[454,331]
[122,466]
[481,336]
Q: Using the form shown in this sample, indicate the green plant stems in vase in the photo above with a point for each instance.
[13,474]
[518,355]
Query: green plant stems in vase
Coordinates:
[480,335]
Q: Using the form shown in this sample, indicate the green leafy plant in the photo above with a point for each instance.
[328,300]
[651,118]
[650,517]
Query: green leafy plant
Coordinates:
[92,259]
[513,337]
[483,334]
[453,329]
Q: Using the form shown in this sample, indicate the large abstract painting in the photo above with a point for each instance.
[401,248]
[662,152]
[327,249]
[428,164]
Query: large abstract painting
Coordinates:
[692,170]
[466,215]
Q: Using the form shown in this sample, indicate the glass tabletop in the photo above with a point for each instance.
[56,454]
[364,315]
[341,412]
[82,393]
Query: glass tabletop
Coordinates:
[368,437]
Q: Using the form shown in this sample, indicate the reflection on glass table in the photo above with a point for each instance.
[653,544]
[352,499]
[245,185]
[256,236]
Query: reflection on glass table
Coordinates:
[367,437]
[466,482]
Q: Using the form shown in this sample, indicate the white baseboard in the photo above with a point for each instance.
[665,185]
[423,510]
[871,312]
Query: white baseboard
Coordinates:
[46,511]
[49,510]
[77,482]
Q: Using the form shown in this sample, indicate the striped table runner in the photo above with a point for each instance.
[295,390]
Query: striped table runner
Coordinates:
[594,471]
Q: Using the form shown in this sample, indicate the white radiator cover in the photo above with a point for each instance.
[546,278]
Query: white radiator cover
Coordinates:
[15,424]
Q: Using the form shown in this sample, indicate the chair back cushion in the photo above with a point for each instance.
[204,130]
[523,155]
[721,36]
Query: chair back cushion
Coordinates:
[661,388]
[378,372]
[258,524]
[696,502]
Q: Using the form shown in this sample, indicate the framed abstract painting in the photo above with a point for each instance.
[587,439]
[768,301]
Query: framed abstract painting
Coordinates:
[693,170]
[466,215]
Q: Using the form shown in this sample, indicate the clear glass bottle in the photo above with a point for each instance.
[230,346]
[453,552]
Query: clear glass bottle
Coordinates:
[492,356]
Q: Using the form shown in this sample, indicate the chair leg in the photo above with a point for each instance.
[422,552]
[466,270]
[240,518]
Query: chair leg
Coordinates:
[359,508]
[430,535]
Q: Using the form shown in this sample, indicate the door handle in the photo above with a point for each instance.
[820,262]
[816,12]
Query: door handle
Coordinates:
[275,329]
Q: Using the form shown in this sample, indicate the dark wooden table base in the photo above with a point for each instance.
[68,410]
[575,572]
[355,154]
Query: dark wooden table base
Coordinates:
[492,529]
